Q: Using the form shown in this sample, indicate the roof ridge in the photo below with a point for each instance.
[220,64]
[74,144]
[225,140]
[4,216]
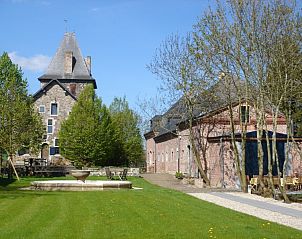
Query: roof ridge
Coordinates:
[56,68]
[48,84]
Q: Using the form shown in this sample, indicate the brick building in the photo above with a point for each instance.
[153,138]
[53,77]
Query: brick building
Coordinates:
[66,76]
[169,150]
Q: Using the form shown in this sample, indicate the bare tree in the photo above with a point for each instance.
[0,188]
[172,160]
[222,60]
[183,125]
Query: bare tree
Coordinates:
[148,108]
[238,40]
[238,44]
[183,79]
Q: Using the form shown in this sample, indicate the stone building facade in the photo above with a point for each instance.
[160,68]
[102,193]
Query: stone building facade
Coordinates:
[65,78]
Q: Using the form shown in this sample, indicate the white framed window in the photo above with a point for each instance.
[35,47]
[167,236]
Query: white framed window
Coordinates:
[49,126]
[56,142]
[55,149]
[54,109]
[42,109]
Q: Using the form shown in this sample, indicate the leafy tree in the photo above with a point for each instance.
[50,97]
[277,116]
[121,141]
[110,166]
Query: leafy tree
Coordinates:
[128,141]
[85,136]
[105,136]
[20,125]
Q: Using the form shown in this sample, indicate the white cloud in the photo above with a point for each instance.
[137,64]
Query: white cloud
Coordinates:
[37,63]
[95,9]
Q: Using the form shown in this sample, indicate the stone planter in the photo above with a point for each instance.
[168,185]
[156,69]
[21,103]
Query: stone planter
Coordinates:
[188,181]
[80,174]
[199,183]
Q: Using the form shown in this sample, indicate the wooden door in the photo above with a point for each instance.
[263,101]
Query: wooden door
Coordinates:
[45,151]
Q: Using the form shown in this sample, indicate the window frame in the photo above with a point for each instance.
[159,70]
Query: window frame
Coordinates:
[55,149]
[56,142]
[50,125]
[42,112]
[57,108]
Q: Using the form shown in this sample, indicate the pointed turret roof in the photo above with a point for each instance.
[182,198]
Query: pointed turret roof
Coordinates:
[56,68]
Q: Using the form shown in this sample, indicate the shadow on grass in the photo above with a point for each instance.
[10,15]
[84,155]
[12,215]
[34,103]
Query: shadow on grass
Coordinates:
[11,195]
[4,182]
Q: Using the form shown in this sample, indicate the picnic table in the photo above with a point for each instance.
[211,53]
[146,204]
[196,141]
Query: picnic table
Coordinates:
[290,182]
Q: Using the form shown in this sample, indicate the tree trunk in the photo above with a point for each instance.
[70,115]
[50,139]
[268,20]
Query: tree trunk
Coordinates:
[1,161]
[259,149]
[197,157]
[12,166]
[260,126]
[243,174]
[276,159]
[269,162]
[236,154]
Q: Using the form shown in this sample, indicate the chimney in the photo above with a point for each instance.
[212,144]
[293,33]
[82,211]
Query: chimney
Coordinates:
[88,63]
[68,62]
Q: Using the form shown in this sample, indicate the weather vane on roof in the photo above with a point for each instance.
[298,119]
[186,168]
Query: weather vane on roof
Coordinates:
[65,20]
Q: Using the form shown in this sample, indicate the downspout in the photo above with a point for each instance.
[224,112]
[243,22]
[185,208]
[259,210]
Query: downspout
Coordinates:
[154,156]
[222,162]
[190,161]
[178,155]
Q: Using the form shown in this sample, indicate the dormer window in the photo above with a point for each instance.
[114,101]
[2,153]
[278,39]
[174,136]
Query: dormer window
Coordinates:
[54,109]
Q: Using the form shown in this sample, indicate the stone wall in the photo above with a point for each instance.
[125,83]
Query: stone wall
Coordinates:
[65,102]
[75,88]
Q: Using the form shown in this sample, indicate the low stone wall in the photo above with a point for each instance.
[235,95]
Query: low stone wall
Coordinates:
[101,171]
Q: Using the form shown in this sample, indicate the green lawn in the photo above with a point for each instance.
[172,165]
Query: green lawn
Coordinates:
[153,212]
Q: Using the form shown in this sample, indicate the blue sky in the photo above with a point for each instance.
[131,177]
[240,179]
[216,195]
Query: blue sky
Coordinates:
[121,36]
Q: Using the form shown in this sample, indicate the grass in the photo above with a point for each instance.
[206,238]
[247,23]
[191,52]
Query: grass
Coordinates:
[153,212]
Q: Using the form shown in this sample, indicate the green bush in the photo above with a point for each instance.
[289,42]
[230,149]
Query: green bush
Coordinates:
[179,175]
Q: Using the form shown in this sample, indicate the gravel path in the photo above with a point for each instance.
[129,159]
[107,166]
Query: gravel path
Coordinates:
[264,208]
[260,208]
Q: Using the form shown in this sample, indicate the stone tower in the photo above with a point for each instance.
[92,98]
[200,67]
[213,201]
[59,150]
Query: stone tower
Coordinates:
[66,76]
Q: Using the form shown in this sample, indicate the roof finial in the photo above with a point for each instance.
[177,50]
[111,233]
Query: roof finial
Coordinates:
[65,20]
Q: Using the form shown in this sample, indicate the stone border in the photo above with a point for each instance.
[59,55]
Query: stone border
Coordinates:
[77,185]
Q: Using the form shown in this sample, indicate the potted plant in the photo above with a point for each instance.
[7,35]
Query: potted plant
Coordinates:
[179,175]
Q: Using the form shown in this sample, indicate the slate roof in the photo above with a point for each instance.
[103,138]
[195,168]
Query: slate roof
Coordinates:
[55,69]
[210,102]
